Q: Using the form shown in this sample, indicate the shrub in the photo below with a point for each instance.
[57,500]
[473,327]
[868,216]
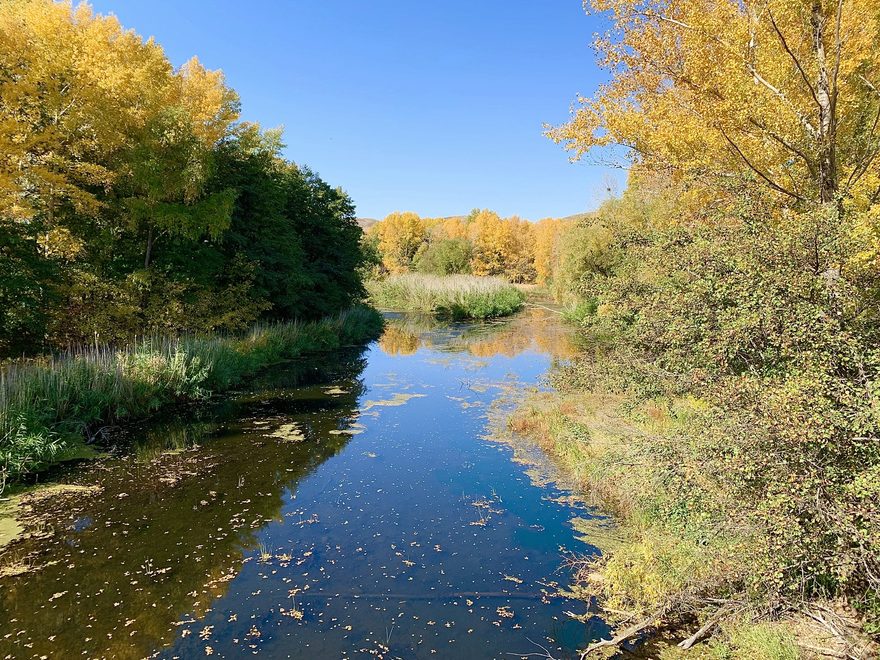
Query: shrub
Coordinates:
[451,256]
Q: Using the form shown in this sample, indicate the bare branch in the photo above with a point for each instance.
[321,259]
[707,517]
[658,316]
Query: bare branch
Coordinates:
[794,58]
[706,628]
[761,174]
[629,633]
[773,135]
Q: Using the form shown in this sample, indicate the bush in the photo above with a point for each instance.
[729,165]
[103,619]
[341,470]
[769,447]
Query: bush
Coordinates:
[739,362]
[451,256]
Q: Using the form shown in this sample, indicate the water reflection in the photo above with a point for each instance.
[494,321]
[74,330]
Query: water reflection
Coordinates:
[342,506]
[536,329]
[170,524]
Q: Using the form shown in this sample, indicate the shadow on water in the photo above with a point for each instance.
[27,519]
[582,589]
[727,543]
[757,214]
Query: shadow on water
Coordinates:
[164,529]
[340,506]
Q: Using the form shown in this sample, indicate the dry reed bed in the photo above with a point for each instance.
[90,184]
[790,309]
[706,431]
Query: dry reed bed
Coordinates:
[455,296]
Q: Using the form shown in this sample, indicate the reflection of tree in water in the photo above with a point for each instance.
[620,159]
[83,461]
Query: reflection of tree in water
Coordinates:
[174,519]
[536,329]
[398,340]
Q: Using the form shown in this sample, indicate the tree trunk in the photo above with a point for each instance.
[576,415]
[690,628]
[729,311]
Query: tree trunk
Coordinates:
[149,253]
[827,121]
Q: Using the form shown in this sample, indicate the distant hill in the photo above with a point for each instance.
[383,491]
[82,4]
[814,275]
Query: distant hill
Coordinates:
[366,223]
[577,217]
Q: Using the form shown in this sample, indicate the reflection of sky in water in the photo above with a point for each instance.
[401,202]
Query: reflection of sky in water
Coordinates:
[408,536]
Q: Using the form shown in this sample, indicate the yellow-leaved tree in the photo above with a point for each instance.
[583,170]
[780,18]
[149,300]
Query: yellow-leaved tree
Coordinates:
[546,233]
[502,247]
[781,94]
[88,108]
[400,236]
[70,91]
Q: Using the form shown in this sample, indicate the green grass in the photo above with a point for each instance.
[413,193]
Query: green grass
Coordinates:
[48,406]
[454,296]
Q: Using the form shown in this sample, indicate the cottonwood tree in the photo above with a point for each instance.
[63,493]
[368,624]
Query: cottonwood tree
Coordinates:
[782,93]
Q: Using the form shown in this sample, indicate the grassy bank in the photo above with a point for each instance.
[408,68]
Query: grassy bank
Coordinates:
[688,550]
[452,296]
[49,406]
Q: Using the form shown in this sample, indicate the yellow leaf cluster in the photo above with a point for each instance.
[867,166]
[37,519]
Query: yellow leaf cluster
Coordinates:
[779,95]
[77,92]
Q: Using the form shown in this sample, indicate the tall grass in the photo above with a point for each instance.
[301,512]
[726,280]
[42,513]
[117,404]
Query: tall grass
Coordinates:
[48,406]
[456,296]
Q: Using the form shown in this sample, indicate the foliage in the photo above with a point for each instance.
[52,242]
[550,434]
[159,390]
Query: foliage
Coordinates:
[773,95]
[482,243]
[447,256]
[731,299]
[131,200]
[47,406]
[400,237]
[455,296]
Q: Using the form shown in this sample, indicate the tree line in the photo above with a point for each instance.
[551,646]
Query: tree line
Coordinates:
[134,200]
[481,243]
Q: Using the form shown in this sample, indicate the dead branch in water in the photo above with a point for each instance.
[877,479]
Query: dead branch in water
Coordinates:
[627,634]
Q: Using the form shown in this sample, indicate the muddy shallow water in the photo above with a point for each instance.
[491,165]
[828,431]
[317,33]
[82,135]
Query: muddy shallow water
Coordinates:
[346,505]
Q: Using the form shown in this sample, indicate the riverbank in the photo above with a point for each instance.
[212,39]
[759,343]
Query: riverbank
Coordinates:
[50,407]
[458,297]
[683,567]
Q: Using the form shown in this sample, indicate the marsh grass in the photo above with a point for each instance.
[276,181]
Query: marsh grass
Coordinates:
[449,296]
[48,406]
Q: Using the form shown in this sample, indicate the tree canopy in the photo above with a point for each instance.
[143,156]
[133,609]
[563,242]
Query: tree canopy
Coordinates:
[133,199]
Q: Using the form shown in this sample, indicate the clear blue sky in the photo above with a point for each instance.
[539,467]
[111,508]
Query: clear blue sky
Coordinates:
[434,107]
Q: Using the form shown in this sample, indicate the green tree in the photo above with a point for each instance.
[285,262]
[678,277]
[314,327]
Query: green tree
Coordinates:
[448,256]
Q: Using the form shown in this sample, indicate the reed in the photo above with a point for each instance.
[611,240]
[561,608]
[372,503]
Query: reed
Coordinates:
[49,405]
[455,296]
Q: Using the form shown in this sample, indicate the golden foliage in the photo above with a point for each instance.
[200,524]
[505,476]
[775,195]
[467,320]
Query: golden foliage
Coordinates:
[513,248]
[780,94]
[400,237]
[77,91]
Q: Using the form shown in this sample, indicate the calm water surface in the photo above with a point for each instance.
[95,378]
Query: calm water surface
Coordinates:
[343,506]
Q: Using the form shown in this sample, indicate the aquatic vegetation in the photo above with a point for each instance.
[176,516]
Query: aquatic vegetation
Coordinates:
[452,296]
[397,399]
[273,545]
[49,406]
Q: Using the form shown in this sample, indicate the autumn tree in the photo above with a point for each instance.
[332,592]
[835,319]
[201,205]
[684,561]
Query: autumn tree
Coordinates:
[780,94]
[502,247]
[546,233]
[400,237]
[131,200]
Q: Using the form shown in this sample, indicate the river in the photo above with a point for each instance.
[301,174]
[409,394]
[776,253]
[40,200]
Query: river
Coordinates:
[346,505]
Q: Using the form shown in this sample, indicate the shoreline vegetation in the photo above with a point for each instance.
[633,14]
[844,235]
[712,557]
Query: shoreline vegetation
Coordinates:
[50,406]
[727,403]
[147,210]
[456,297]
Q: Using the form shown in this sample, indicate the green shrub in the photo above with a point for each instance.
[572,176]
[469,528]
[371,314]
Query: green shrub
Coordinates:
[450,256]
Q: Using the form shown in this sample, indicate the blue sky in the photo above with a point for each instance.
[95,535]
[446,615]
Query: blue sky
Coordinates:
[434,107]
